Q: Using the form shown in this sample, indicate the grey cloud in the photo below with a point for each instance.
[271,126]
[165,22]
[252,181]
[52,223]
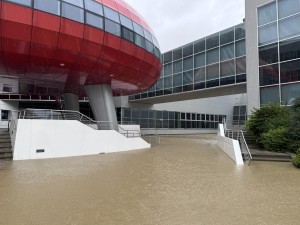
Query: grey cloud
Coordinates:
[178,22]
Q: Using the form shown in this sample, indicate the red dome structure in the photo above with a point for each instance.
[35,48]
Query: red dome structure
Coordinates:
[66,44]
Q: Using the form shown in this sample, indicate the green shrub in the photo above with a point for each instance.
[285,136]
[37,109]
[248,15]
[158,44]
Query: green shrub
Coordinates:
[296,160]
[276,140]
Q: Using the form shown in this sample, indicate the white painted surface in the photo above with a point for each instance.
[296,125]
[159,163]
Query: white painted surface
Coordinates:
[68,138]
[230,146]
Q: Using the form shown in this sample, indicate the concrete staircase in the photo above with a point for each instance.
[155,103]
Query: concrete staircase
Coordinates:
[259,154]
[5,145]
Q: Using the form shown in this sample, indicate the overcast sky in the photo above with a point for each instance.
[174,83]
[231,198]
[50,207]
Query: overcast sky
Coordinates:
[178,22]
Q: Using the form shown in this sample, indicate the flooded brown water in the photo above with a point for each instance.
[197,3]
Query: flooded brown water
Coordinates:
[184,181]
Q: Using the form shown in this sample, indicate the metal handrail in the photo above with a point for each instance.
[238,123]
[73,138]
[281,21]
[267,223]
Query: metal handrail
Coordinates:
[50,114]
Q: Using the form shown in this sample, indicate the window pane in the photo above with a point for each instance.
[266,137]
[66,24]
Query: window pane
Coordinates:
[212,71]
[168,57]
[199,46]
[177,66]
[290,49]
[212,56]
[126,22]
[199,60]
[227,36]
[22,2]
[289,27]
[148,35]
[168,82]
[177,80]
[52,6]
[199,74]
[159,84]
[227,80]
[188,63]
[269,94]
[268,54]
[267,13]
[112,27]
[177,54]
[268,75]
[127,34]
[288,7]
[227,52]
[212,42]
[188,77]
[94,7]
[75,2]
[139,40]
[138,28]
[289,93]
[111,14]
[188,50]
[240,48]
[94,20]
[227,68]
[267,34]
[72,12]
[290,71]
[168,69]
[241,65]
[240,32]
[149,46]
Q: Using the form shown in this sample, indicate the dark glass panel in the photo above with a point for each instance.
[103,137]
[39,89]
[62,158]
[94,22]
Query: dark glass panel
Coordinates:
[167,69]
[139,40]
[149,46]
[188,50]
[241,65]
[199,60]
[188,63]
[241,78]
[268,54]
[188,77]
[159,84]
[177,66]
[94,20]
[168,57]
[227,36]
[267,13]
[227,68]
[177,89]
[177,80]
[240,32]
[112,27]
[269,94]
[212,41]
[212,56]
[269,75]
[199,86]
[138,29]
[227,80]
[177,54]
[148,35]
[267,34]
[168,91]
[199,74]
[290,71]
[227,52]
[212,71]
[168,82]
[212,83]
[290,49]
[289,93]
[199,46]
[240,48]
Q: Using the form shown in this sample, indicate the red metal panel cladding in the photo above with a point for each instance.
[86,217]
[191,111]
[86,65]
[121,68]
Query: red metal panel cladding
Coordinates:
[45,48]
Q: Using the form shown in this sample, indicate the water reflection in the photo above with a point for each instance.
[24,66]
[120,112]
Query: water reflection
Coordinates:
[185,180]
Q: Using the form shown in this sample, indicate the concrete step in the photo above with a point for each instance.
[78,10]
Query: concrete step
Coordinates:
[270,159]
[5,150]
[6,156]
[5,145]
[5,140]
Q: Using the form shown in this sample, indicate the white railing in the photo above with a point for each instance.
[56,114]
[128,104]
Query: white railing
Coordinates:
[49,114]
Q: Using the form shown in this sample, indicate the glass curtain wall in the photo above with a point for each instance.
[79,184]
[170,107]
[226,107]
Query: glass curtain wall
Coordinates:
[216,60]
[279,51]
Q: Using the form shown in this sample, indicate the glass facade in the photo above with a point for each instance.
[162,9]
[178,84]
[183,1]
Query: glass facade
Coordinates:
[217,60]
[167,119]
[279,51]
[94,14]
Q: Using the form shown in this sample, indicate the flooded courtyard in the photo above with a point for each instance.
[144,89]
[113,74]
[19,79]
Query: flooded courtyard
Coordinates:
[186,180]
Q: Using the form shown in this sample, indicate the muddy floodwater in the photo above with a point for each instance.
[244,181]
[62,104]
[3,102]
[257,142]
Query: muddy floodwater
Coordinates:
[184,181]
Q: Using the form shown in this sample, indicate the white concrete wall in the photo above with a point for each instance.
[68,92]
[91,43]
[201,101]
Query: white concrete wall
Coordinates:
[68,138]
[230,146]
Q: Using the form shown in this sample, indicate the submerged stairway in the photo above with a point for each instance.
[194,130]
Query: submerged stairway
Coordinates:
[5,145]
[259,154]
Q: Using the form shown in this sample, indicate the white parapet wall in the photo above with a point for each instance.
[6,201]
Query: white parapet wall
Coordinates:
[230,146]
[40,139]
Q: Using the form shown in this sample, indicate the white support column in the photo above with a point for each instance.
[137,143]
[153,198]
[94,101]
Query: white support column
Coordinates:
[101,102]
[71,102]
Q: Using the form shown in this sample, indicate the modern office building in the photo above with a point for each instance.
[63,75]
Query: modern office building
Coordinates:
[225,74]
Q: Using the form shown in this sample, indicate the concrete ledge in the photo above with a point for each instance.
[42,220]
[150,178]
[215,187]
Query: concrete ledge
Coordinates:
[230,146]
